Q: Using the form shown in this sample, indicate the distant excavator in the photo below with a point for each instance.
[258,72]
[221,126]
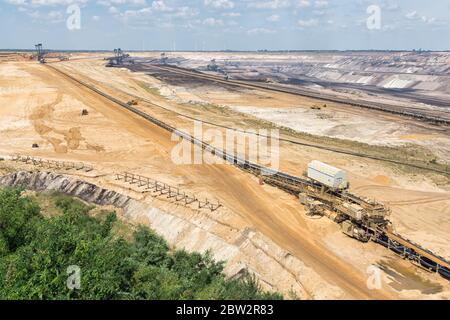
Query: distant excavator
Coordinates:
[40,54]
[120,58]
[132,102]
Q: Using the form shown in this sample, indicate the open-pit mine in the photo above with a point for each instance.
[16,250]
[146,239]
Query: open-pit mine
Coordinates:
[352,200]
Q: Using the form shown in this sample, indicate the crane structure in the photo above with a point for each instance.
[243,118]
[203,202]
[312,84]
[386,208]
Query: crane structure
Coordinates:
[40,53]
[120,58]
[164,58]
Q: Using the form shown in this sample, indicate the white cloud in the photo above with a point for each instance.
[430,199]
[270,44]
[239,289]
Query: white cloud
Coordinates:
[412,15]
[55,16]
[428,20]
[319,12]
[308,23]
[219,4]
[273,4]
[321,3]
[231,14]
[49,17]
[135,17]
[160,5]
[212,22]
[159,14]
[256,31]
[303,3]
[113,10]
[17,2]
[184,12]
[55,2]
[108,3]
[95,18]
[392,7]
[388,27]
[273,18]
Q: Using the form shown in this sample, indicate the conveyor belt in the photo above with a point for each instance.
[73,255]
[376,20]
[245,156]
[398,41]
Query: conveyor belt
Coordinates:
[413,252]
[418,249]
[400,245]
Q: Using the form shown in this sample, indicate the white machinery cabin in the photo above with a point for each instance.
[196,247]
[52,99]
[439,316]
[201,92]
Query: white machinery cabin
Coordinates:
[327,175]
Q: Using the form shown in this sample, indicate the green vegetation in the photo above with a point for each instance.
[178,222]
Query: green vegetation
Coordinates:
[152,90]
[37,248]
[199,109]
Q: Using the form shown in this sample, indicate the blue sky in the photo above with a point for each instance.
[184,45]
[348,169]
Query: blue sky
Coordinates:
[226,24]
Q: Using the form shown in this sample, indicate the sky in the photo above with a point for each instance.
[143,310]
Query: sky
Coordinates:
[226,24]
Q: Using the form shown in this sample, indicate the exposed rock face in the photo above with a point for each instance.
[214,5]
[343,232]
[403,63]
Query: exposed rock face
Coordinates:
[42,181]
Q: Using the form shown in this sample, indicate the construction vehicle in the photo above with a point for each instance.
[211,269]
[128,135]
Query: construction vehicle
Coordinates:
[313,207]
[212,66]
[164,58]
[326,189]
[353,231]
[120,58]
[40,53]
[132,102]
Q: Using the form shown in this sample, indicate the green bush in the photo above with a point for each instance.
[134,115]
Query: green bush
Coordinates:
[35,253]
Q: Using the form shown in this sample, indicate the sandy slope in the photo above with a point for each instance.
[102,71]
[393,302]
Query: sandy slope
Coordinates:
[45,108]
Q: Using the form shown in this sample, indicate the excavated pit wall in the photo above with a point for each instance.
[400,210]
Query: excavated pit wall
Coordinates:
[274,267]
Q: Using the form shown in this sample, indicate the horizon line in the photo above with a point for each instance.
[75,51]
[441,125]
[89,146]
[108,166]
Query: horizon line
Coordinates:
[232,50]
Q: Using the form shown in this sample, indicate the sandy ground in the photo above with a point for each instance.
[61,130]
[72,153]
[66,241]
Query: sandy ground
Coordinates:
[341,124]
[40,106]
